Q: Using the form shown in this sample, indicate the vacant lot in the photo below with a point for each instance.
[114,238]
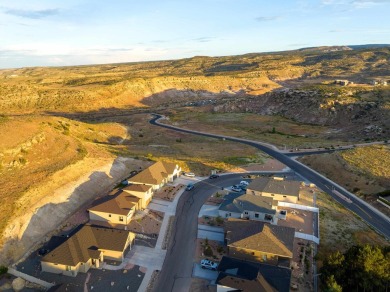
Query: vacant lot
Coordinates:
[363,171]
[340,229]
[274,129]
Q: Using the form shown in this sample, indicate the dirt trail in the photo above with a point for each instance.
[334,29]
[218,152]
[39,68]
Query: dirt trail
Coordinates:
[62,195]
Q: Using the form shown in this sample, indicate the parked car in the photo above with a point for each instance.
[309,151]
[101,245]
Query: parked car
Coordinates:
[244,183]
[214,176]
[190,174]
[236,188]
[207,264]
[190,187]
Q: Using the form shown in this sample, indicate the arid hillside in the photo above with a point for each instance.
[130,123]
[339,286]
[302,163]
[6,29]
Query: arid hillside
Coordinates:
[85,88]
[70,134]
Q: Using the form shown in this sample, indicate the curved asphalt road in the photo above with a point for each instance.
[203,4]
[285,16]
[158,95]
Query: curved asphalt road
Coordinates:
[176,272]
[369,214]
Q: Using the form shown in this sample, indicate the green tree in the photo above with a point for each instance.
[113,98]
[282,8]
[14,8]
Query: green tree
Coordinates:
[332,286]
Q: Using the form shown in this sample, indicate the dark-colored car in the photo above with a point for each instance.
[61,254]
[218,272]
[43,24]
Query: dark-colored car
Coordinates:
[190,187]
[213,176]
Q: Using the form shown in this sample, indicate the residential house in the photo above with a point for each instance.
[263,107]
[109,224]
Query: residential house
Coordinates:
[238,275]
[249,207]
[117,208]
[279,190]
[259,241]
[86,249]
[144,192]
[157,175]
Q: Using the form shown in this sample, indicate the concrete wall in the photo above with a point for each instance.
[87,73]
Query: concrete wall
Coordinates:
[111,218]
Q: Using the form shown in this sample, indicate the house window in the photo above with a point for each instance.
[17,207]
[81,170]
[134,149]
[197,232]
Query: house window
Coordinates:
[109,215]
[68,268]
[253,193]
[121,218]
[246,213]
[272,195]
[264,258]
[256,215]
[253,253]
[268,217]
[284,196]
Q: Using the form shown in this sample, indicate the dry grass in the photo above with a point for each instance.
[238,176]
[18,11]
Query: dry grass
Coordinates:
[364,171]
[340,229]
[273,129]
[38,148]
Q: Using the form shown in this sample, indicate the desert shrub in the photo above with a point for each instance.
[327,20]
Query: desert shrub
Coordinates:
[3,270]
[208,251]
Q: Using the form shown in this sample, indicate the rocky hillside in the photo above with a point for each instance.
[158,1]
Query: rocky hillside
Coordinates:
[86,88]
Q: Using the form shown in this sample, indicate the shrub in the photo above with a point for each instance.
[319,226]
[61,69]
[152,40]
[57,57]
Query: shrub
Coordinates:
[3,270]
[208,251]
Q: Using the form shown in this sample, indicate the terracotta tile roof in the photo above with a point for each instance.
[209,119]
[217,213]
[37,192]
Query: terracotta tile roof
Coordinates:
[154,174]
[120,203]
[273,186]
[278,277]
[87,243]
[260,236]
[246,202]
[137,188]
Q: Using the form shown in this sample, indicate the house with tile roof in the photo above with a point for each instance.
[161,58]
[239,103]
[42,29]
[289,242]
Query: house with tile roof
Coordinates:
[157,174]
[279,190]
[239,275]
[117,208]
[249,207]
[144,192]
[259,241]
[86,249]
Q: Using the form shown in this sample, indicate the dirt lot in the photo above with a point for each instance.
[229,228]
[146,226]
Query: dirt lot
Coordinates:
[340,229]
[201,285]
[301,220]
[268,165]
[302,273]
[168,192]
[211,221]
[209,249]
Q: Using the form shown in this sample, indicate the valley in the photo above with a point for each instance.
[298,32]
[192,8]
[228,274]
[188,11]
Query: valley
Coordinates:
[71,134]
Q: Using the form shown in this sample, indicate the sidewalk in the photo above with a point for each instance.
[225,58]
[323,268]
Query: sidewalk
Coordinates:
[153,258]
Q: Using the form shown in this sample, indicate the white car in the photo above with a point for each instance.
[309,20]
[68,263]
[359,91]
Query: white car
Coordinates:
[236,188]
[244,183]
[190,174]
[207,264]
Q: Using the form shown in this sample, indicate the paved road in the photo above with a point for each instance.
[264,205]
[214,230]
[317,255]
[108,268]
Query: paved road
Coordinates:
[370,215]
[176,272]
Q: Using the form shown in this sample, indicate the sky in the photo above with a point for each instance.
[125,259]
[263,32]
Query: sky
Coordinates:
[77,32]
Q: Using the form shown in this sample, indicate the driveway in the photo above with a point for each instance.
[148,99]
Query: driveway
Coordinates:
[211,233]
[209,210]
[150,258]
[198,272]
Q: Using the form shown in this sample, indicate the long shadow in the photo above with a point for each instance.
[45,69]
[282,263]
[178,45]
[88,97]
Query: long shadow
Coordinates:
[48,217]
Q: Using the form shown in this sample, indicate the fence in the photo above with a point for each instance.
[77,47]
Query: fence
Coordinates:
[29,278]
[307,237]
[299,207]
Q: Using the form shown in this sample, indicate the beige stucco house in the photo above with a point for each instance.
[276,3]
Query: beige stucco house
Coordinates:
[279,190]
[249,207]
[157,175]
[144,192]
[117,208]
[259,241]
[86,249]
